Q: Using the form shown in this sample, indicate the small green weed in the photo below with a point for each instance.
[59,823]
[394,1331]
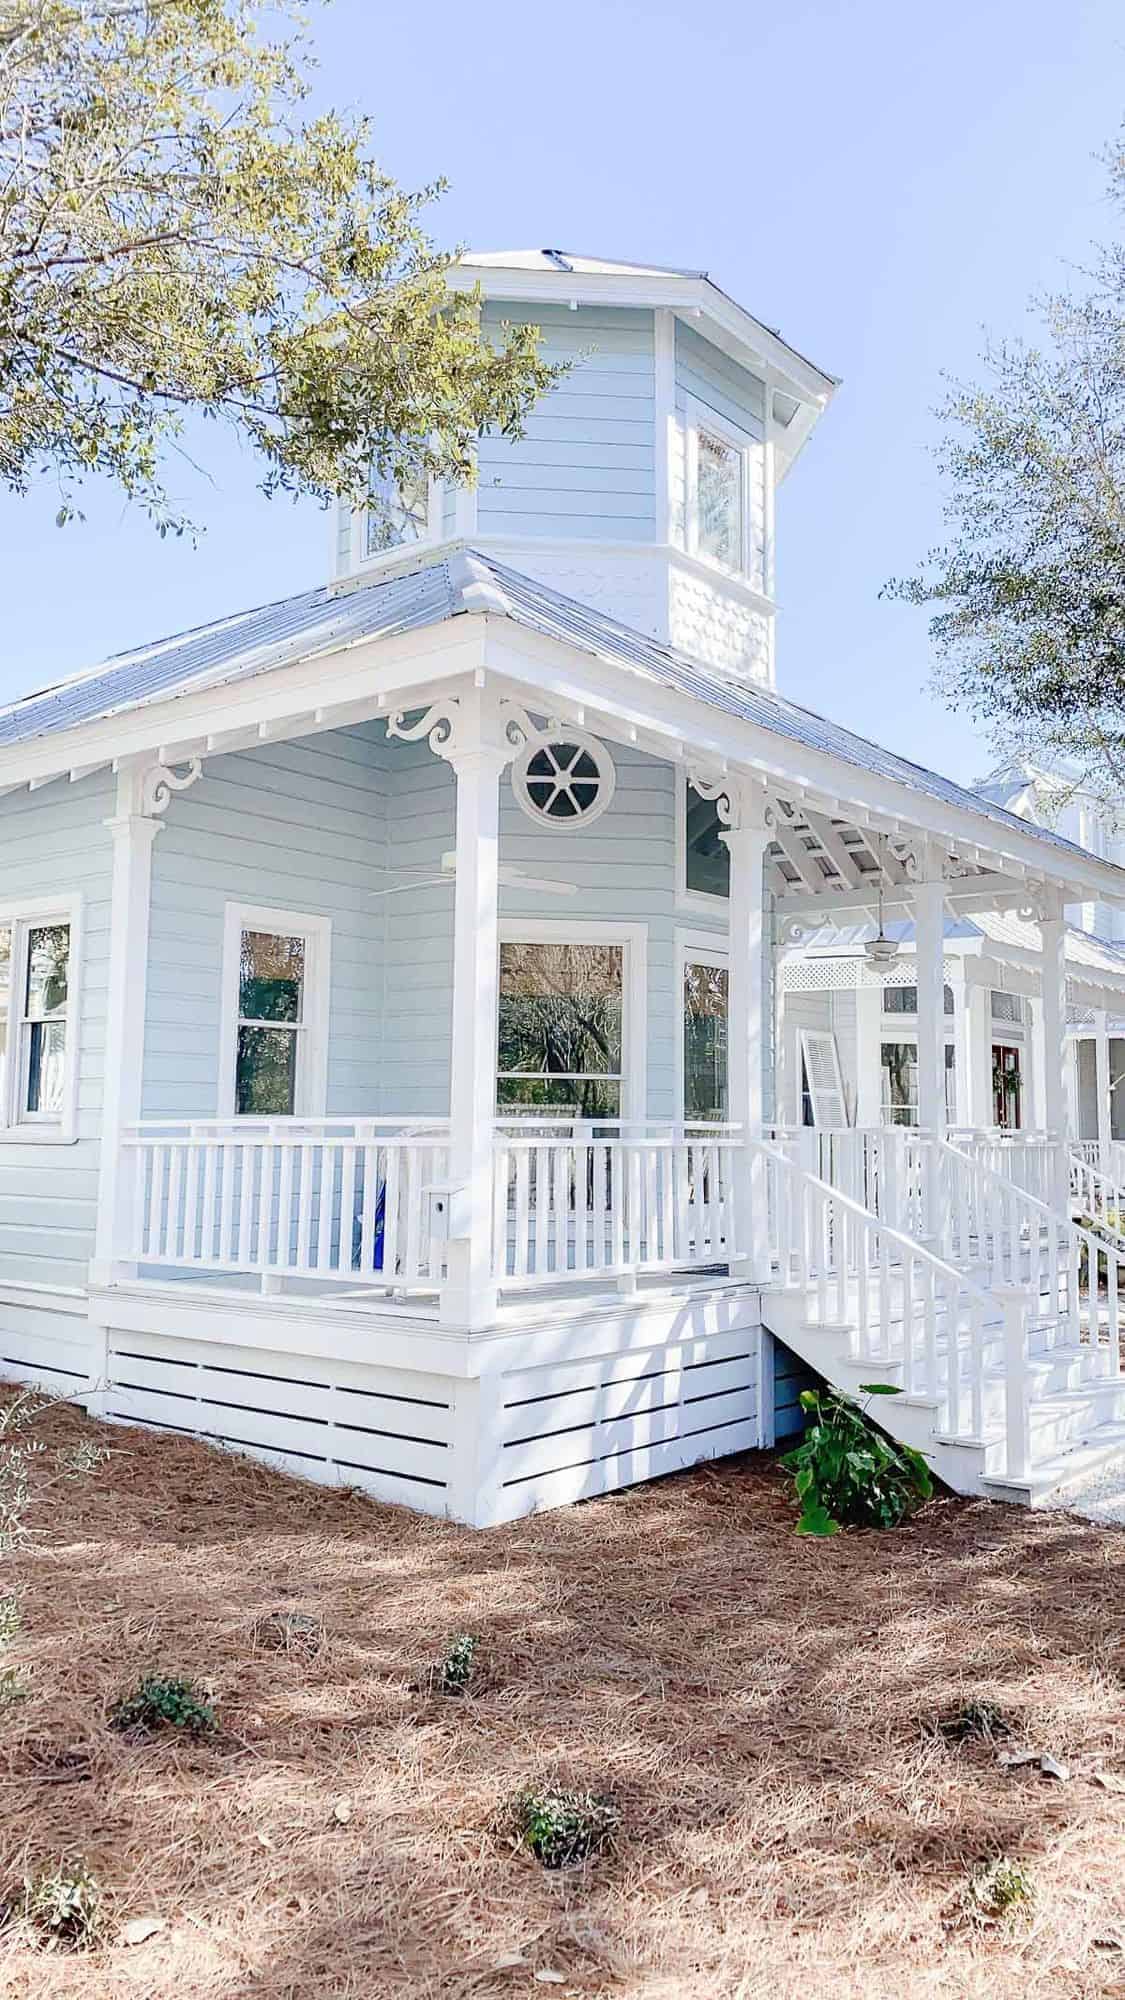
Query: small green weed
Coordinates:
[160,1702]
[13,1688]
[454,1671]
[847,1473]
[562,1827]
[81,1458]
[63,1907]
[998,1888]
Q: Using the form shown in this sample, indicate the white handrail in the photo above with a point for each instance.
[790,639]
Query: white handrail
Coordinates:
[897,1303]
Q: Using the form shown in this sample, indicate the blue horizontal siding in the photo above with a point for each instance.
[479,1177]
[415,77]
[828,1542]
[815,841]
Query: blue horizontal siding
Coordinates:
[55,842]
[710,375]
[596,481]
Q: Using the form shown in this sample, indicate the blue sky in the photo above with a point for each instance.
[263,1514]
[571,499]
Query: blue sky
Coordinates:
[882,182]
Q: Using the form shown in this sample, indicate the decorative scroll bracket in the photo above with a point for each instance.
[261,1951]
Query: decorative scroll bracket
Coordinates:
[162,780]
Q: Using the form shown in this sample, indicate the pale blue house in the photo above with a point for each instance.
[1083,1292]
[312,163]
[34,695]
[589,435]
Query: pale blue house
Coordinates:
[389,982]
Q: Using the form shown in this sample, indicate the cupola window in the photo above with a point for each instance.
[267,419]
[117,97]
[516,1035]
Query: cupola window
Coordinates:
[719,491]
[398,512]
[724,494]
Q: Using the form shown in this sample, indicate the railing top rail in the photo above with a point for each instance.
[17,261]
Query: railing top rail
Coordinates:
[283,1125]
[700,1135]
[1000,1180]
[872,1223]
[526,1118]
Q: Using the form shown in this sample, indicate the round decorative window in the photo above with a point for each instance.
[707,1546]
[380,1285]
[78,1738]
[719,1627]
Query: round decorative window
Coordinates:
[566,780]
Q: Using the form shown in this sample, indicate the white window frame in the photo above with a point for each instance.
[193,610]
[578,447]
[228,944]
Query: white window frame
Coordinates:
[634,999]
[890,1031]
[700,416]
[383,558]
[18,1126]
[695,948]
[692,899]
[310,1095]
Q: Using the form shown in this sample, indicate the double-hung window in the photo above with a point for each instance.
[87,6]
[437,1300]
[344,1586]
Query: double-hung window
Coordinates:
[705,1012]
[724,497]
[37,1012]
[275,986]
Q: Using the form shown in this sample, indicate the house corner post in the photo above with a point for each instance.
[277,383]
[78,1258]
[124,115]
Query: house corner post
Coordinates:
[133,829]
[747,835]
[479,748]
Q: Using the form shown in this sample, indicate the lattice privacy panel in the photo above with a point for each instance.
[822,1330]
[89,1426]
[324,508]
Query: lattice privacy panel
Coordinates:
[845,975]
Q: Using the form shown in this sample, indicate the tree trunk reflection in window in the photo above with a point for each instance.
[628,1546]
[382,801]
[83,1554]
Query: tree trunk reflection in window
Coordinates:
[560,1028]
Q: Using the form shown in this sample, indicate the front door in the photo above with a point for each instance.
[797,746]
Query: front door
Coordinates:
[1007,1087]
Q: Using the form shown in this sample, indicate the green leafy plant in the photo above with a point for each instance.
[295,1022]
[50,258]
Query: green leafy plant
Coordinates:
[454,1670]
[847,1473]
[160,1702]
[64,1907]
[998,1888]
[10,1620]
[562,1827]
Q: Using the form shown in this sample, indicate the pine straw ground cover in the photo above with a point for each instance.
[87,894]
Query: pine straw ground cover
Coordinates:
[755,1706]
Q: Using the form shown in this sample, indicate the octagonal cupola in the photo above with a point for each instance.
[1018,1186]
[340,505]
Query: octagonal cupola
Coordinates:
[644,485]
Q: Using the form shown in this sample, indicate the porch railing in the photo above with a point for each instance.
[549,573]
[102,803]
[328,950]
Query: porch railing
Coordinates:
[575,1200]
[903,1310]
[328,1200]
[983,1202]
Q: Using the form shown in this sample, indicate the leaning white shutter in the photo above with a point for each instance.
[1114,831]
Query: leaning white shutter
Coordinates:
[821,1058]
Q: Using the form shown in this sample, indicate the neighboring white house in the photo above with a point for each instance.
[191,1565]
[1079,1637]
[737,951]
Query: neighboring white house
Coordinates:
[391,1040]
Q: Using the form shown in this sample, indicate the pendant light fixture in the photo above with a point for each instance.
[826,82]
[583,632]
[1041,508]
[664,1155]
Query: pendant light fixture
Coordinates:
[880,949]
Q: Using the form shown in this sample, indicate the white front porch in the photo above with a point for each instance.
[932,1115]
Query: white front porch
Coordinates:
[517,1214]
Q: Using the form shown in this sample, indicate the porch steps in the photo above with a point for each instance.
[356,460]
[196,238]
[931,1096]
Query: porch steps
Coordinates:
[1076,1418]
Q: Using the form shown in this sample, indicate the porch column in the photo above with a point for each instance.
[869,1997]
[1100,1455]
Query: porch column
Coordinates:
[979,1005]
[869,1054]
[747,837]
[1052,926]
[929,936]
[962,1049]
[1101,1072]
[478,752]
[133,830]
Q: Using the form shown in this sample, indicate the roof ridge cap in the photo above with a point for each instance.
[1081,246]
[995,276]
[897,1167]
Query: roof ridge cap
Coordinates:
[473,582]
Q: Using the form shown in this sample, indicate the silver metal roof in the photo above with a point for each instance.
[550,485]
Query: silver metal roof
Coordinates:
[449,585]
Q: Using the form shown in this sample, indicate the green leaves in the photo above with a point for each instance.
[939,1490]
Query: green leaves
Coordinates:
[1028,595]
[847,1472]
[175,237]
[163,1701]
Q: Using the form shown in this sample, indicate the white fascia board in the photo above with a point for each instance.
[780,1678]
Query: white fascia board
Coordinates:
[623,695]
[368,672]
[743,337]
